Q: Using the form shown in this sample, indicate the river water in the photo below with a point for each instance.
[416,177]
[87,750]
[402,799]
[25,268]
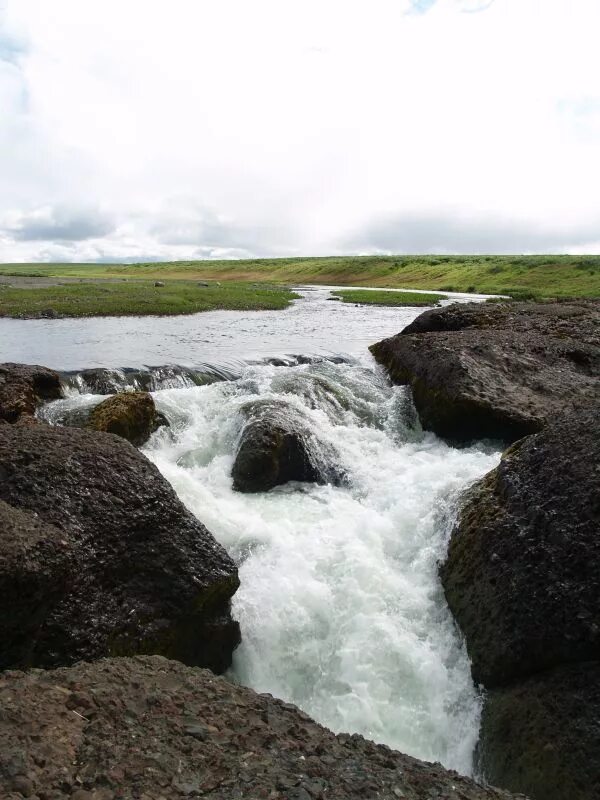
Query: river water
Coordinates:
[340,606]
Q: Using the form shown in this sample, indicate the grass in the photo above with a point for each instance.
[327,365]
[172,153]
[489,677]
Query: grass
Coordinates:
[540,276]
[369,297]
[137,298]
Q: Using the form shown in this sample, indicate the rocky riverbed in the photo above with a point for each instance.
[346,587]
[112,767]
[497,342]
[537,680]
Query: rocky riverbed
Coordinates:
[100,561]
[150,728]
[99,558]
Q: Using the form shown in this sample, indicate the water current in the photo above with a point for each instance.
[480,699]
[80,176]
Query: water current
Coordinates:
[340,605]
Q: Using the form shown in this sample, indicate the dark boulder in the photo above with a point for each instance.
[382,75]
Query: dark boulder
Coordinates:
[131,415]
[151,728]
[37,567]
[148,577]
[277,446]
[23,387]
[542,737]
[522,576]
[556,319]
[497,370]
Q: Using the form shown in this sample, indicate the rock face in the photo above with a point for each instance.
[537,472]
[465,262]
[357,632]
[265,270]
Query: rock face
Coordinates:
[147,576]
[151,728]
[545,734]
[522,579]
[37,567]
[131,415]
[23,388]
[497,370]
[522,576]
[277,446]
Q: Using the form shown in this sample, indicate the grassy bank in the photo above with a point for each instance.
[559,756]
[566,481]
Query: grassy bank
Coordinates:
[137,298]
[374,298]
[540,276]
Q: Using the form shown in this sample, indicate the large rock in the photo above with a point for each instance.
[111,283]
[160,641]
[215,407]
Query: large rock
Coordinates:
[37,567]
[497,370]
[277,446]
[23,388]
[542,737]
[131,415]
[148,577]
[522,576]
[150,728]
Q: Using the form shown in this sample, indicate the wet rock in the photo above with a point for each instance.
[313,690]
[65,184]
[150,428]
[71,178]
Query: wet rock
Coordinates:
[131,415]
[148,577]
[522,575]
[23,387]
[138,745]
[277,446]
[542,736]
[36,568]
[497,370]
[102,381]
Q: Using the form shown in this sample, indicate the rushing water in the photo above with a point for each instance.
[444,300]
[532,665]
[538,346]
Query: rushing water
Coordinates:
[340,605]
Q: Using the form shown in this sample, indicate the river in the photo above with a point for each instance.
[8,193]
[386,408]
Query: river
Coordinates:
[340,605]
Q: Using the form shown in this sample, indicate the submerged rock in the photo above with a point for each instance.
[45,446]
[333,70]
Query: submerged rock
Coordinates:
[277,446]
[131,415]
[497,370]
[147,576]
[542,736]
[102,381]
[147,727]
[23,387]
[522,575]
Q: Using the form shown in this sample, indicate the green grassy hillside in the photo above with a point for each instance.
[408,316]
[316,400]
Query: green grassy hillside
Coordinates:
[520,276]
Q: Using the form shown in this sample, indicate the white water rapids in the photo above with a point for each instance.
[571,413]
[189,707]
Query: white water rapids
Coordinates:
[340,605]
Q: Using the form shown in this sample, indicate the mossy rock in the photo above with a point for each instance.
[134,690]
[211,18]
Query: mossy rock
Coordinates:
[131,415]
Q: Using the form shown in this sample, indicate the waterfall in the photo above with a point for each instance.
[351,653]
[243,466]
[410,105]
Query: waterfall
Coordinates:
[340,606]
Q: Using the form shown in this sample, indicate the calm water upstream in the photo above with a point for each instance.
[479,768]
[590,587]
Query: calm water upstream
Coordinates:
[340,605]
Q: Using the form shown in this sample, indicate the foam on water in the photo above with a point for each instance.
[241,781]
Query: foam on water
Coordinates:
[340,606]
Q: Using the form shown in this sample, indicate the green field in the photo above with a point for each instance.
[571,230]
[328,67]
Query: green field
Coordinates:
[138,298]
[519,276]
[373,298]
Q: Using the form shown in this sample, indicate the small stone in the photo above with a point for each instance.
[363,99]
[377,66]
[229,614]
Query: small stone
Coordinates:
[197,731]
[23,785]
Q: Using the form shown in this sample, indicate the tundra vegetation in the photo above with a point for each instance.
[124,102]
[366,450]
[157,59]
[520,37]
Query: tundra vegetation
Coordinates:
[523,277]
[133,297]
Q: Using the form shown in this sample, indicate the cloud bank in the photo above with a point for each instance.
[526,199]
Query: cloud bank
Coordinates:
[232,128]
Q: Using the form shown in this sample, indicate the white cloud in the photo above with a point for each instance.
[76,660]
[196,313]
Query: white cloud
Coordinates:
[266,127]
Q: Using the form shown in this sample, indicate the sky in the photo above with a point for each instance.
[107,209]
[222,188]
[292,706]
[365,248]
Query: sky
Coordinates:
[134,130]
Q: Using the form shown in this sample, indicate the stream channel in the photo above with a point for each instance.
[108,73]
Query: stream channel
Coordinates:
[340,606]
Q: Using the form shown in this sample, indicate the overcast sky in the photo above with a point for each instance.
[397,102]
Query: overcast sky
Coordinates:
[141,129]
